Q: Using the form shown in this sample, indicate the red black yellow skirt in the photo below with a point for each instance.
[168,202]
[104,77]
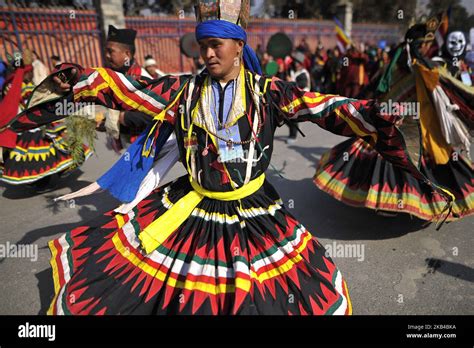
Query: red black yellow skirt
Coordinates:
[38,154]
[354,173]
[247,257]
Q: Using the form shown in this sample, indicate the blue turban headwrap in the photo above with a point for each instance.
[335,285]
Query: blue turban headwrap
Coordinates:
[227,30]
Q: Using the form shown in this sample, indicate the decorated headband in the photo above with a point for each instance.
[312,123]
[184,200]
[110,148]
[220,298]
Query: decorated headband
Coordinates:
[234,11]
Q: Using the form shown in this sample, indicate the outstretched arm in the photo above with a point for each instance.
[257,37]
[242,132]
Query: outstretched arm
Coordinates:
[347,117]
[104,87]
[354,118]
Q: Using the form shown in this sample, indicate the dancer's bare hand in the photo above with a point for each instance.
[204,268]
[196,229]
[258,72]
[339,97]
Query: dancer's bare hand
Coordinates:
[62,81]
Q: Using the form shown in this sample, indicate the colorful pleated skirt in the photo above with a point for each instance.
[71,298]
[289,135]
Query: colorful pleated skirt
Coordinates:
[354,173]
[229,257]
[38,153]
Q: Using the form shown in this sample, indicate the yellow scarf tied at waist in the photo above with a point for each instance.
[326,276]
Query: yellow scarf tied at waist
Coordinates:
[159,230]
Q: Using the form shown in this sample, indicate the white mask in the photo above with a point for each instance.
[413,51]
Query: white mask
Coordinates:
[456,43]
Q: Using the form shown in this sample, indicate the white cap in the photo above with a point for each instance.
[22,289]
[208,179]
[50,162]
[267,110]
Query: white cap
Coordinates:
[150,62]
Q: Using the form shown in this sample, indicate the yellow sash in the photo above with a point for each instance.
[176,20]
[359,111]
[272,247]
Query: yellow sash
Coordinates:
[159,230]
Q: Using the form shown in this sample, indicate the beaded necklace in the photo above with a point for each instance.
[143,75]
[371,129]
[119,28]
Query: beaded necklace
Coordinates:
[229,141]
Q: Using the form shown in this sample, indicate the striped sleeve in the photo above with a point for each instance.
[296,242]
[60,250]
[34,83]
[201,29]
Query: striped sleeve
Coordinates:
[356,118]
[346,117]
[109,88]
[121,92]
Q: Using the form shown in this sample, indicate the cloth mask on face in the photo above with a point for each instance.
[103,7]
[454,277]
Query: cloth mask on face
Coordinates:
[456,43]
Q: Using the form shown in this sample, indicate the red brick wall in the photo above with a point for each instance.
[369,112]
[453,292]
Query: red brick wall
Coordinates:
[75,36]
[72,35]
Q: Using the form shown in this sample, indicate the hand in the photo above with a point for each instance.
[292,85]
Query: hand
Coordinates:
[115,144]
[62,82]
[88,190]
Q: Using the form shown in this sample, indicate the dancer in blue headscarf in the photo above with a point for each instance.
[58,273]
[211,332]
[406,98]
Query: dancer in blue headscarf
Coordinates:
[227,30]
[218,240]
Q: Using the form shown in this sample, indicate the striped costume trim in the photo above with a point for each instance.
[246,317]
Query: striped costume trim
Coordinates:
[37,153]
[412,203]
[175,270]
[59,167]
[126,90]
[260,266]
[321,105]
[405,198]
[62,270]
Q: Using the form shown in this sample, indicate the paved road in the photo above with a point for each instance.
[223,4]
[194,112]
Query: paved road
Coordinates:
[405,267]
